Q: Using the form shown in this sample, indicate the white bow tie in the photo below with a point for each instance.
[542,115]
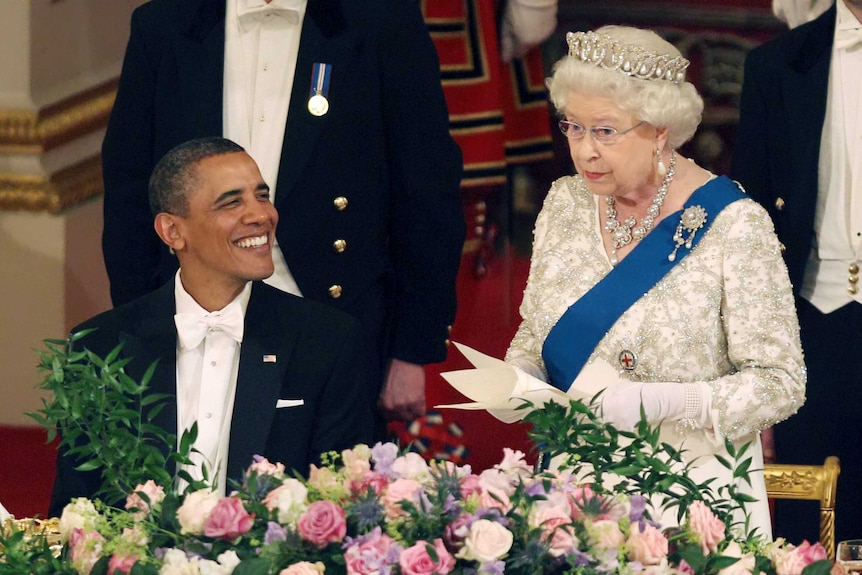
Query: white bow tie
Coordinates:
[848,38]
[193,328]
[249,14]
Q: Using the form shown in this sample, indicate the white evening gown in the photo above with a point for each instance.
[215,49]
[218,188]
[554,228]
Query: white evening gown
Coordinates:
[724,315]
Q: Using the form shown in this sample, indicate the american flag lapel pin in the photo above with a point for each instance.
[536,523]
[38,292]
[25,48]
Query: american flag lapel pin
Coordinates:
[269,358]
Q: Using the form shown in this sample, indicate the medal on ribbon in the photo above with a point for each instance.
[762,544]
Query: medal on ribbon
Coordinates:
[318,104]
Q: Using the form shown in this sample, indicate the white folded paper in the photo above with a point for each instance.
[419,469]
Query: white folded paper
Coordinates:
[500,388]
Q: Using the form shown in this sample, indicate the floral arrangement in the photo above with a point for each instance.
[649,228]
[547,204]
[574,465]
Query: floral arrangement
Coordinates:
[371,510]
[377,511]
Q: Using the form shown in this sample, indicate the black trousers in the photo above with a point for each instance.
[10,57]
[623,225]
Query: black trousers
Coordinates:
[830,422]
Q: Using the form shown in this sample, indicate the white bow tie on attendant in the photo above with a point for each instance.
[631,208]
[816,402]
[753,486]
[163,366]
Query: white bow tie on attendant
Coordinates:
[250,11]
[848,38]
[193,328]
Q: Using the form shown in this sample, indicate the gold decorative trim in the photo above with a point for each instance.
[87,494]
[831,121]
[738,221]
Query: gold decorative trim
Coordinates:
[52,194]
[29,132]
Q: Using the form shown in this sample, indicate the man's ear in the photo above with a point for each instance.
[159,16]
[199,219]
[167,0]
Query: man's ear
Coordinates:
[168,227]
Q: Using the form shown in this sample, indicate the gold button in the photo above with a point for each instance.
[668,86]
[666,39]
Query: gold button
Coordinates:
[853,269]
[448,329]
[335,291]
[340,203]
[782,247]
[447,343]
[339,246]
[853,278]
[852,289]
[480,218]
[779,203]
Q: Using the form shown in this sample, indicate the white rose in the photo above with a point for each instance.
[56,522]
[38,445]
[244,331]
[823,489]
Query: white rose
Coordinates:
[175,562]
[289,499]
[494,479]
[410,466]
[79,513]
[194,511]
[486,541]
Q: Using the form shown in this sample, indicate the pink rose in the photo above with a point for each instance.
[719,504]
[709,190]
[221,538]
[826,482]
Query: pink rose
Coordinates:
[194,511]
[304,568]
[579,499]
[322,523]
[798,558]
[456,531]
[493,498]
[415,560]
[708,527]
[155,494]
[470,485]
[121,564]
[648,546]
[262,466]
[398,491]
[556,527]
[374,480]
[85,548]
[486,541]
[369,557]
[228,520]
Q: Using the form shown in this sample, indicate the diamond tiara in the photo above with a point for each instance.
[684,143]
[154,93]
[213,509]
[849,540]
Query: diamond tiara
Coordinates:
[603,51]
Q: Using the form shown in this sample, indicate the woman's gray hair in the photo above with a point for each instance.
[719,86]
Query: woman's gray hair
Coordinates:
[677,107]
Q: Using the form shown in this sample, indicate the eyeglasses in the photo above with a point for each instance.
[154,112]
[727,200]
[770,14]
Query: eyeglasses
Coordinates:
[604,135]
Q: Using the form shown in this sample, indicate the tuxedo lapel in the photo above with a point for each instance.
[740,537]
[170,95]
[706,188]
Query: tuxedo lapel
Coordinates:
[154,339]
[324,39]
[267,346]
[805,90]
[200,65]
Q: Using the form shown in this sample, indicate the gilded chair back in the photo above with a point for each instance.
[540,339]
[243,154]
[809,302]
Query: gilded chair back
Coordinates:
[812,482]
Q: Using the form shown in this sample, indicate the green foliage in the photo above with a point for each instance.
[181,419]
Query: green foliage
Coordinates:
[638,462]
[104,418]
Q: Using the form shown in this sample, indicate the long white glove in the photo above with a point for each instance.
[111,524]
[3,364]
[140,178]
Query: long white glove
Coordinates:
[687,403]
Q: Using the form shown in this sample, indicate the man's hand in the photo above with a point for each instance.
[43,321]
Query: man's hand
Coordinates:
[767,441]
[403,394]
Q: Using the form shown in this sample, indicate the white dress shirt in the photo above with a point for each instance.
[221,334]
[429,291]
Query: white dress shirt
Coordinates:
[828,281]
[206,387]
[261,50]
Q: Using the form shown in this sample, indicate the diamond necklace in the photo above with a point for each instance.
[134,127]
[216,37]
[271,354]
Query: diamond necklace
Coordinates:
[622,234]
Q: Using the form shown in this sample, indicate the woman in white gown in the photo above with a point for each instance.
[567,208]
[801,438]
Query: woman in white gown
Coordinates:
[651,264]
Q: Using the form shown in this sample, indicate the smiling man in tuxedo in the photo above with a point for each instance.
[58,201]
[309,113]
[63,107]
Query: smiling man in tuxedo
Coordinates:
[260,371]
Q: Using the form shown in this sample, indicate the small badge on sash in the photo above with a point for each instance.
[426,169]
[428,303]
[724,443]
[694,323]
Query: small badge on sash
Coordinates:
[318,104]
[628,360]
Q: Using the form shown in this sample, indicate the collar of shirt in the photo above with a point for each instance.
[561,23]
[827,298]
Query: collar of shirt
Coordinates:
[252,12]
[187,305]
[848,29]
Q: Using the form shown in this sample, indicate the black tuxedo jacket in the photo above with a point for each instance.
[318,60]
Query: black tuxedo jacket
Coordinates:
[777,146]
[384,146]
[315,349]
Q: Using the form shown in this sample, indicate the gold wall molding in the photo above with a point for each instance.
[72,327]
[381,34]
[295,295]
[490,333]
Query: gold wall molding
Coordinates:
[33,133]
[54,193]
[29,132]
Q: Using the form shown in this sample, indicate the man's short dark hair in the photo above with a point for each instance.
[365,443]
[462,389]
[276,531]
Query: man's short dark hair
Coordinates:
[175,175]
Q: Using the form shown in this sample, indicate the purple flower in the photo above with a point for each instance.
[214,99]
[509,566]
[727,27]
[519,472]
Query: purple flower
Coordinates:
[384,455]
[274,533]
[493,567]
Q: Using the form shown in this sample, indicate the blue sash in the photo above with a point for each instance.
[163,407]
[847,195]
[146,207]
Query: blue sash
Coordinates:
[577,333]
